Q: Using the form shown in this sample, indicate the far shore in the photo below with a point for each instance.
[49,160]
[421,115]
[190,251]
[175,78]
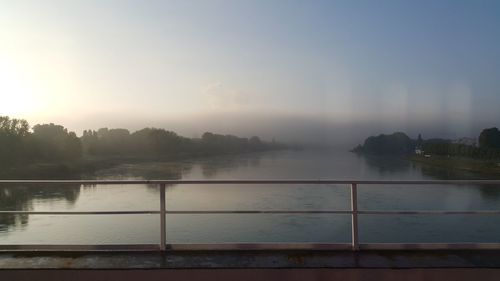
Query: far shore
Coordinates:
[88,164]
[457,163]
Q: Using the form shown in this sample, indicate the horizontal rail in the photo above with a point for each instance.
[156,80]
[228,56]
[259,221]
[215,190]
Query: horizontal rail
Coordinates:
[179,247]
[486,212]
[79,213]
[259,246]
[354,212]
[74,247]
[429,246]
[170,212]
[251,246]
[259,212]
[288,181]
[340,212]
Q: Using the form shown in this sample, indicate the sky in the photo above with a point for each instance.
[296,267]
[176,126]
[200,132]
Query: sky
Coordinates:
[319,71]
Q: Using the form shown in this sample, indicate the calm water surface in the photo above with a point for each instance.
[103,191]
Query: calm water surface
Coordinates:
[306,164]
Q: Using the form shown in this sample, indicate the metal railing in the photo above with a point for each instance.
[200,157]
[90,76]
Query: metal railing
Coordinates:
[355,245]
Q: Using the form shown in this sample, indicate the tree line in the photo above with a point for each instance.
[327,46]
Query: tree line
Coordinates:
[47,142]
[395,144]
[51,143]
[487,148]
[160,142]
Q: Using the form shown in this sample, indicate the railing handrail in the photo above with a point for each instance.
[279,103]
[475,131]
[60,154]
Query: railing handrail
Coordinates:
[252,181]
[354,212]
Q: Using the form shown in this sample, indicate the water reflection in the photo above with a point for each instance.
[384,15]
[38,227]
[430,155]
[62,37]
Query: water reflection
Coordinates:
[212,166]
[391,165]
[447,174]
[140,171]
[488,192]
[21,198]
[387,165]
[251,228]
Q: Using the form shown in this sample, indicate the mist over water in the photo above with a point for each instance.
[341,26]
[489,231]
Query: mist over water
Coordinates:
[294,128]
[305,164]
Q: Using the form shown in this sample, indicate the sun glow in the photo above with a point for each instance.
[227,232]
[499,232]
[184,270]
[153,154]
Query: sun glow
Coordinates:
[18,94]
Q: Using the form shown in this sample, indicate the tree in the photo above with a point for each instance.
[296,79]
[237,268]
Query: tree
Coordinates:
[13,136]
[89,142]
[17,127]
[396,144]
[51,142]
[110,141]
[56,143]
[490,138]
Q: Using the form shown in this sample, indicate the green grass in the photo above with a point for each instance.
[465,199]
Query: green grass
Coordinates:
[459,163]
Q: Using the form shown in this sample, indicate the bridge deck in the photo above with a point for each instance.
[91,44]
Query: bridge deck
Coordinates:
[251,259]
[262,266]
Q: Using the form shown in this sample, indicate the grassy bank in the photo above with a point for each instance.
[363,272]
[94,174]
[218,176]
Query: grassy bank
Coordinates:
[460,164]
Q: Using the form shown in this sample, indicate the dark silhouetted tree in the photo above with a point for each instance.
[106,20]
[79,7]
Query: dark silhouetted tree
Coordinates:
[490,138]
[56,143]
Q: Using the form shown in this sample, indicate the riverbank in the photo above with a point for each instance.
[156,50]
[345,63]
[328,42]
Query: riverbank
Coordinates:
[461,164]
[87,165]
[56,170]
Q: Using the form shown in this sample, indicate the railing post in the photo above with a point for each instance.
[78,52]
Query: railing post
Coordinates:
[354,217]
[163,234]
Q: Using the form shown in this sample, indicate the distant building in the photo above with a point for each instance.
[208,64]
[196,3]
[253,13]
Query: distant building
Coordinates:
[419,151]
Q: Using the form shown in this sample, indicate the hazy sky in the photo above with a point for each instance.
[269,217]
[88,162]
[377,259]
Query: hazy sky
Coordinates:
[264,67]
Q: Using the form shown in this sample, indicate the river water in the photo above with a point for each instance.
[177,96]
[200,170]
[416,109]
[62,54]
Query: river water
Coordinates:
[304,164]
